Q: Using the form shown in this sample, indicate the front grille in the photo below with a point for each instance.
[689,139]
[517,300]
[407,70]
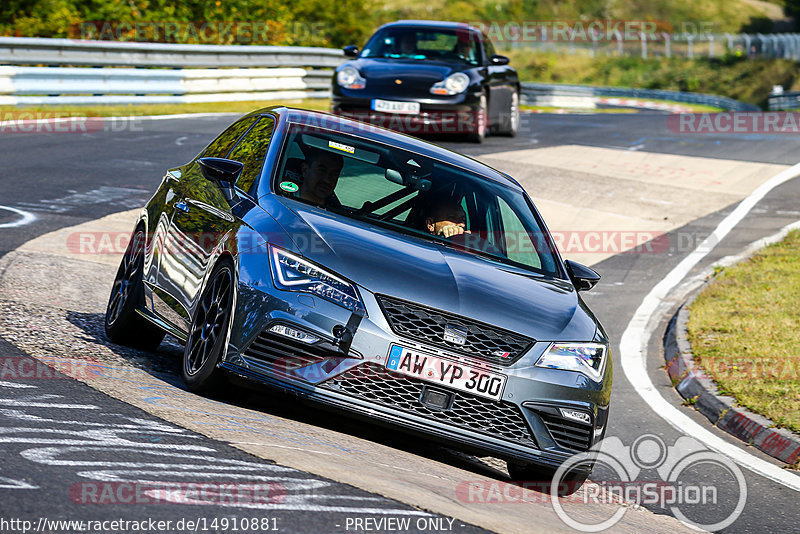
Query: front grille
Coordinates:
[569,435]
[287,353]
[376,384]
[428,325]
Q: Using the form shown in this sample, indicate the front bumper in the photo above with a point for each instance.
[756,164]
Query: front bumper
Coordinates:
[453,115]
[526,425]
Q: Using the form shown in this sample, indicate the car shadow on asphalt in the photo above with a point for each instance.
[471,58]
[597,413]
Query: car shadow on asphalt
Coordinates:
[165,364]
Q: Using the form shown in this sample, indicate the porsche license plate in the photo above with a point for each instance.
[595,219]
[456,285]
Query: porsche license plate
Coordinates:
[472,379]
[390,106]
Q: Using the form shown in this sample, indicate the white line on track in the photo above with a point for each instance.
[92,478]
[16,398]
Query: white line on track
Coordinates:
[27,217]
[633,344]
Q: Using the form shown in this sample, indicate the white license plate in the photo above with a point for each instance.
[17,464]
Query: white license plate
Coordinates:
[390,106]
[471,379]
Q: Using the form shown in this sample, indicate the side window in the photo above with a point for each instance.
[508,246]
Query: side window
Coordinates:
[251,151]
[519,246]
[220,146]
[489,47]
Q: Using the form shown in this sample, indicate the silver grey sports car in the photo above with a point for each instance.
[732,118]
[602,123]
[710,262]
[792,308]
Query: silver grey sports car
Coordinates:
[373,273]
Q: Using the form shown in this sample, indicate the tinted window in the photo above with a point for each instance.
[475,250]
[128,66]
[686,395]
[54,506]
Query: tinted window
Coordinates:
[251,151]
[487,44]
[221,146]
[406,192]
[424,44]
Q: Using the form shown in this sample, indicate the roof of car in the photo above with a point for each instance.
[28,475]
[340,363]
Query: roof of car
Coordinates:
[389,137]
[432,24]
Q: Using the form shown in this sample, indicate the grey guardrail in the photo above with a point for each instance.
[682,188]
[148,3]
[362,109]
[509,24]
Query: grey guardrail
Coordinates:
[534,93]
[51,52]
[177,73]
[784,101]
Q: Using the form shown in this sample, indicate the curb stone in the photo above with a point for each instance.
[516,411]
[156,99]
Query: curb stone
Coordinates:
[692,383]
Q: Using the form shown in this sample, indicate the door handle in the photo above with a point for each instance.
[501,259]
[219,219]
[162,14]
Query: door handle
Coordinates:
[183,206]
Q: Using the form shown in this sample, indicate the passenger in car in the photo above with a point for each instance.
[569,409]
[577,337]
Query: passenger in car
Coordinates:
[320,173]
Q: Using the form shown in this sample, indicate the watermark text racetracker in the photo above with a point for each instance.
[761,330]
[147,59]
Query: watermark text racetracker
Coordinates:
[703,489]
[583,31]
[27,122]
[196,524]
[735,122]
[567,241]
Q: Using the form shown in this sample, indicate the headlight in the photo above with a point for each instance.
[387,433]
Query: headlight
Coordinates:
[452,85]
[586,358]
[293,273]
[349,78]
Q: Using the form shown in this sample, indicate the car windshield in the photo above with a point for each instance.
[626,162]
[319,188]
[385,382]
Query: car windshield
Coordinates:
[423,44]
[416,195]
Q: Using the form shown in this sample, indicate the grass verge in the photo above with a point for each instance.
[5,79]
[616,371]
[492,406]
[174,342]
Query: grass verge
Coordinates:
[13,112]
[745,332]
[748,80]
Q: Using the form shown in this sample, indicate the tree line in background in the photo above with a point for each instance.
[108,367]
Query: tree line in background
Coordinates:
[326,23]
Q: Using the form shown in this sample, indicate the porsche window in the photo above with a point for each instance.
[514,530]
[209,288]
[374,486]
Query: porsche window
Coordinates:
[422,44]
[406,192]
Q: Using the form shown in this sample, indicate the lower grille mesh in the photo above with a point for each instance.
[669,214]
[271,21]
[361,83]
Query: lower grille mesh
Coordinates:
[377,384]
[569,435]
[286,353]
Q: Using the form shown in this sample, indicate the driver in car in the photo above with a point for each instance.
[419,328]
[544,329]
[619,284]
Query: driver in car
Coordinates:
[320,172]
[447,219]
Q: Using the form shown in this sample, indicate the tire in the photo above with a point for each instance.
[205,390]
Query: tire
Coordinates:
[206,342]
[570,483]
[481,122]
[123,324]
[510,125]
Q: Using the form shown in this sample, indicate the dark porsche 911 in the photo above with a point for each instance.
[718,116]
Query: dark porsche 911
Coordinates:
[429,77]
[374,273]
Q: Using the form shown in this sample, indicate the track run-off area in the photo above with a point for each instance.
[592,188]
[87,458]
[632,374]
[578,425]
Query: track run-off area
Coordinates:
[650,209]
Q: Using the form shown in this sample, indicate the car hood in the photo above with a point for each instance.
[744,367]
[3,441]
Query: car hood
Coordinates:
[415,75]
[386,262]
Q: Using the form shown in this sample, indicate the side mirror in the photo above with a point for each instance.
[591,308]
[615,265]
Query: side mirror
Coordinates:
[222,172]
[582,277]
[497,59]
[350,51]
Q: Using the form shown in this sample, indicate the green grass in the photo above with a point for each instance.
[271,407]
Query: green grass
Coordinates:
[745,332]
[8,113]
[21,112]
[748,80]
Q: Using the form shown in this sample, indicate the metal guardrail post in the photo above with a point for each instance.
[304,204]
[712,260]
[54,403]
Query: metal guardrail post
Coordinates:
[618,35]
[644,44]
[595,38]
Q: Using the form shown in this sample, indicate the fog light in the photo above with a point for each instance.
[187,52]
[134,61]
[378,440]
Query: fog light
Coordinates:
[291,333]
[581,417]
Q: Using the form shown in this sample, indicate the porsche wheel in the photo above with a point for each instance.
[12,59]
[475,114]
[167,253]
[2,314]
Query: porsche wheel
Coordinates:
[208,333]
[510,125]
[123,324]
[481,126]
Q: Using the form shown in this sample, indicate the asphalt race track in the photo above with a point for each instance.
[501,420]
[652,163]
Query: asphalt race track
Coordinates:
[133,427]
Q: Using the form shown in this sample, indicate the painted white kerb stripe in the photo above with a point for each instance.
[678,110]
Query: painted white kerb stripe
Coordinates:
[634,340]
[26,217]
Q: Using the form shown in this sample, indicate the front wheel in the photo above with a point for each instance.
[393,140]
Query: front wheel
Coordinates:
[567,485]
[208,332]
[481,122]
[123,324]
